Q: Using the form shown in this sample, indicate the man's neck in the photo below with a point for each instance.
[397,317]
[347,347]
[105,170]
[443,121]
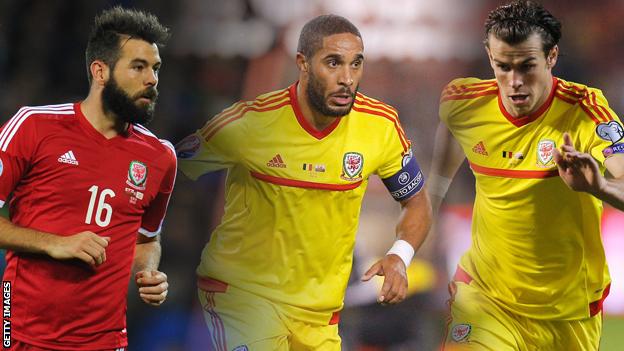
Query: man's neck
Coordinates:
[314,118]
[106,124]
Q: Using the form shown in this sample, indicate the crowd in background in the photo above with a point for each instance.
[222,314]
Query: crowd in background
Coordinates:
[227,50]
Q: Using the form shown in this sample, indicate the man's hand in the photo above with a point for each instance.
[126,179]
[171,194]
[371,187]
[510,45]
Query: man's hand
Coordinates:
[153,287]
[578,170]
[394,287]
[85,246]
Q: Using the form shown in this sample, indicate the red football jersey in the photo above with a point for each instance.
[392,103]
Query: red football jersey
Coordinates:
[67,178]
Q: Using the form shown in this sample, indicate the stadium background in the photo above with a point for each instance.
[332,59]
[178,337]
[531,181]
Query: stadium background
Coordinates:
[222,51]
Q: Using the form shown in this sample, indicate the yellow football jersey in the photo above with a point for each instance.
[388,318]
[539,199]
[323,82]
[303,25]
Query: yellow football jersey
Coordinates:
[293,195]
[536,245]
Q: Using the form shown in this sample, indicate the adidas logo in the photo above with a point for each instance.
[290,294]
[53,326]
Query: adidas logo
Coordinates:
[480,149]
[68,157]
[277,162]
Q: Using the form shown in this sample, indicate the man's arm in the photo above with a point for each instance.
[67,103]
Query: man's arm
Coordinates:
[581,172]
[413,227]
[153,285]
[85,246]
[447,158]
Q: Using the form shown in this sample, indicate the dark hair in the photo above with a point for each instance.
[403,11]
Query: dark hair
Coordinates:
[513,23]
[105,39]
[313,32]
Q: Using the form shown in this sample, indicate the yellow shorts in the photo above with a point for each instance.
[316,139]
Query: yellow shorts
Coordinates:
[239,321]
[479,323]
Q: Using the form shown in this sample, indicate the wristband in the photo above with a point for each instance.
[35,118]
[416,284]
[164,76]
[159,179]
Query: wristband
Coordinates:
[438,185]
[404,250]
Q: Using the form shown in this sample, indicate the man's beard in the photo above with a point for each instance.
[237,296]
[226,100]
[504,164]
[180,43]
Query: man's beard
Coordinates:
[124,106]
[315,90]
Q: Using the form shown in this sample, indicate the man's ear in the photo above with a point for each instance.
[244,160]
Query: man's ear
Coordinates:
[302,62]
[489,55]
[553,55]
[100,72]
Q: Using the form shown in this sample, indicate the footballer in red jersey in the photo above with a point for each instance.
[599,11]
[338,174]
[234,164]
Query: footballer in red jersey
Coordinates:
[90,187]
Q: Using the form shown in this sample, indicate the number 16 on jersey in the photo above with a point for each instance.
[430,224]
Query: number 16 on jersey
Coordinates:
[104,211]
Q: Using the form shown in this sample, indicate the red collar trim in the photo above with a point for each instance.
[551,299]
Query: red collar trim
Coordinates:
[524,120]
[318,134]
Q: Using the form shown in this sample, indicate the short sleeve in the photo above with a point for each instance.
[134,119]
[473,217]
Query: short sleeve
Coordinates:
[215,146]
[448,97]
[154,215]
[18,143]
[445,109]
[607,138]
[399,171]
[396,147]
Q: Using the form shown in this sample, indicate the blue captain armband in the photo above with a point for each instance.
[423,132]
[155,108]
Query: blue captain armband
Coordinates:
[407,181]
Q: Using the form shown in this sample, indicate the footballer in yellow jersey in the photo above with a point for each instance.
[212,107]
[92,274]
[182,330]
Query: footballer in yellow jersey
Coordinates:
[535,275]
[274,273]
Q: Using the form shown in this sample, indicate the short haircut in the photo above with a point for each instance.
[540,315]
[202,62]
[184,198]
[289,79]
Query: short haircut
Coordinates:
[514,22]
[105,39]
[313,32]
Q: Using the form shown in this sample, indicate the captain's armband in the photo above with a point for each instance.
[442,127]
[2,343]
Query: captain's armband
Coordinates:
[407,181]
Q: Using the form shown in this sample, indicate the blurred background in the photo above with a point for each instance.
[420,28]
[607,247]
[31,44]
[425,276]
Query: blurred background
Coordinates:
[222,51]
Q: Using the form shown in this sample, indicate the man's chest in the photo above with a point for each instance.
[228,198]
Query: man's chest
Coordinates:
[346,157]
[492,141]
[78,172]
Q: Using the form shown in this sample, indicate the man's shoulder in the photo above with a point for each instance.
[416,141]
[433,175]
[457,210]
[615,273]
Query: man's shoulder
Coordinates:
[36,120]
[236,114]
[362,100]
[376,109]
[589,101]
[574,93]
[467,95]
[462,89]
[266,102]
[34,114]
[376,122]
[275,95]
[160,146]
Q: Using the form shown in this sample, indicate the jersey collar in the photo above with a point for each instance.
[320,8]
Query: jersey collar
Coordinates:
[524,120]
[318,134]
